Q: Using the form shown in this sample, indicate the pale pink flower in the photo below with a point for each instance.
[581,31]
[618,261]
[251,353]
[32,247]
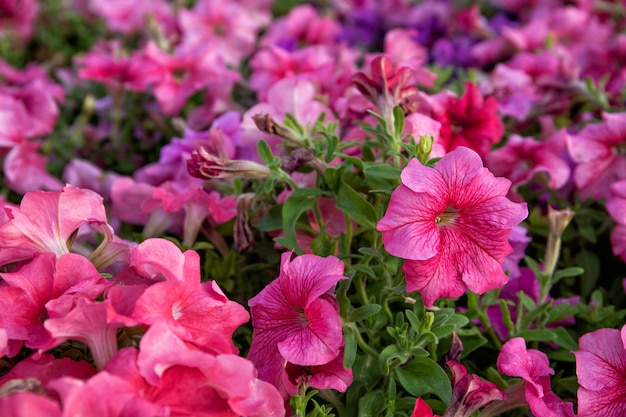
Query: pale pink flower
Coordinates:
[533,367]
[600,153]
[451,224]
[600,367]
[295,320]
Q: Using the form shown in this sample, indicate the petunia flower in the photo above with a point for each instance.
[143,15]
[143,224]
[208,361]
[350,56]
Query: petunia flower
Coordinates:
[451,223]
[616,206]
[600,367]
[24,301]
[522,159]
[470,120]
[196,312]
[49,221]
[534,368]
[600,152]
[470,392]
[295,320]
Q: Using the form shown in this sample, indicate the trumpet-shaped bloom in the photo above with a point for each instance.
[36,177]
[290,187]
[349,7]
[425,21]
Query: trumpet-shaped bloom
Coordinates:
[534,368]
[600,367]
[296,320]
[616,206]
[195,312]
[48,221]
[451,223]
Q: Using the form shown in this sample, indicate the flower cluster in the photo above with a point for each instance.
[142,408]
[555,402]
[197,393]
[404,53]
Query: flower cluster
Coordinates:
[268,208]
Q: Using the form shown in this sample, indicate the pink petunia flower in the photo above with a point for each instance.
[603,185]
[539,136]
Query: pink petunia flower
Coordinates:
[49,221]
[522,159]
[600,152]
[534,368]
[470,392]
[616,206]
[43,282]
[296,322]
[600,367]
[196,312]
[451,224]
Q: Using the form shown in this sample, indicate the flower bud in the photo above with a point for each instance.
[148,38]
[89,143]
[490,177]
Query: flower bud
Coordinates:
[267,125]
[207,166]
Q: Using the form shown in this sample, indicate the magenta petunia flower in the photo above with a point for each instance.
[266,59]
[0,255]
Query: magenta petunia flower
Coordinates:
[296,321]
[600,367]
[451,224]
[470,392]
[616,206]
[600,152]
[470,120]
[534,368]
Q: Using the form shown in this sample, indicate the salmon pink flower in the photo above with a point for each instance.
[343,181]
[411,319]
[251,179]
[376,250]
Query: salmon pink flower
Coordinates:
[600,367]
[296,321]
[451,223]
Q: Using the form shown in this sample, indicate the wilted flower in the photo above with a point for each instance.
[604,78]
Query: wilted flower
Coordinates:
[207,166]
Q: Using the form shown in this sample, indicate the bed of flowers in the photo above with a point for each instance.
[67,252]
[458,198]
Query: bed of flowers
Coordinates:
[350,208]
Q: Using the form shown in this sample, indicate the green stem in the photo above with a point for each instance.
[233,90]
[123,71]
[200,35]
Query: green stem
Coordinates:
[363,344]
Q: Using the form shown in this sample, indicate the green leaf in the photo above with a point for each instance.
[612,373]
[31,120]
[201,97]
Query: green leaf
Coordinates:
[423,376]
[265,153]
[297,203]
[355,206]
[371,252]
[398,121]
[538,335]
[381,171]
[372,404]
[572,271]
[564,339]
[591,264]
[365,269]
[364,312]
[472,339]
[349,348]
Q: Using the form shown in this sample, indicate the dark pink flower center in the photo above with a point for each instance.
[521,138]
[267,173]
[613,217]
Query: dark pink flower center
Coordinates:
[447,217]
